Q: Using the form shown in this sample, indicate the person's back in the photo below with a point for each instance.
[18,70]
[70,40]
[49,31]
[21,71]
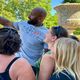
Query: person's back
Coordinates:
[15,68]
[32,41]
[4,75]
[11,67]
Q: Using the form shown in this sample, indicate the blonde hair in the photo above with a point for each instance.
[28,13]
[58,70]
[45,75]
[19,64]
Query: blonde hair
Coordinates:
[68,55]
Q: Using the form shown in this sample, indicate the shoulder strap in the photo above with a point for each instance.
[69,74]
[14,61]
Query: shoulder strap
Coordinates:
[8,67]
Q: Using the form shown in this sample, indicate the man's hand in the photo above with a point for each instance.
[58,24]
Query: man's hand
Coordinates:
[5,22]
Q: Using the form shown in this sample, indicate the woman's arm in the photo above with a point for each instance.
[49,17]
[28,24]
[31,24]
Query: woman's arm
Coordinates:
[5,22]
[46,67]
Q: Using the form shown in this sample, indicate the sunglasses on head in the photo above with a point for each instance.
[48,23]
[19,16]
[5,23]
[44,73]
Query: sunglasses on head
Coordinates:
[56,30]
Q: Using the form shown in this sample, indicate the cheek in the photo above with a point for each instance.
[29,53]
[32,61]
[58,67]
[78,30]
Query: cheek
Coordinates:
[46,38]
[46,35]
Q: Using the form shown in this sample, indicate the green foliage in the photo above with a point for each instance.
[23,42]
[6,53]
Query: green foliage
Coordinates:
[51,21]
[77,31]
[17,10]
[71,1]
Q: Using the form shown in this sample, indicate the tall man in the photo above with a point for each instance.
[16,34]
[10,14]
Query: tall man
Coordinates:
[32,33]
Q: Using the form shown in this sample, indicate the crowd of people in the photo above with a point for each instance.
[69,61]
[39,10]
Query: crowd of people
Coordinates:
[23,43]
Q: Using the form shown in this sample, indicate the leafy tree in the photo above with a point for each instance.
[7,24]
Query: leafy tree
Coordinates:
[51,21]
[17,10]
[71,1]
[77,31]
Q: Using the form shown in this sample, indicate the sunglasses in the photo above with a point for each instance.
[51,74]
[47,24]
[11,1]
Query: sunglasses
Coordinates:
[56,30]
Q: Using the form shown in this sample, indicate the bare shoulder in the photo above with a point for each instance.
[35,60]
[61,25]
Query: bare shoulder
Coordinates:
[21,61]
[22,69]
[48,57]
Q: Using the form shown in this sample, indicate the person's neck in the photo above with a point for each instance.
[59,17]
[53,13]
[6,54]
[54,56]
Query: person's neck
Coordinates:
[3,57]
[35,23]
[50,45]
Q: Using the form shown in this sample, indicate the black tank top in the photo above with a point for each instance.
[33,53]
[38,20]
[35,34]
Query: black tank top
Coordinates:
[5,75]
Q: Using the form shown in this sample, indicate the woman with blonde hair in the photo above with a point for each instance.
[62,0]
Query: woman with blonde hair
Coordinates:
[63,63]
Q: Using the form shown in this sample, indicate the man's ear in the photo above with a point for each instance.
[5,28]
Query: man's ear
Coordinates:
[54,38]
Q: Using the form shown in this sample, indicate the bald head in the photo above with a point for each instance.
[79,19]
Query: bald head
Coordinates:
[37,15]
[40,11]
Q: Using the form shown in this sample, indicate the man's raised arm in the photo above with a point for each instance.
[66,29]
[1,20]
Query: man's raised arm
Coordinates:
[6,22]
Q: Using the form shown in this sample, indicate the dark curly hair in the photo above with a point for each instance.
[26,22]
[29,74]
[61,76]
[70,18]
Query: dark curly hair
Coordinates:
[9,41]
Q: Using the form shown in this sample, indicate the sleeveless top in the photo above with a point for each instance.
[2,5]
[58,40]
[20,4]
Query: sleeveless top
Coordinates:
[63,75]
[5,75]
